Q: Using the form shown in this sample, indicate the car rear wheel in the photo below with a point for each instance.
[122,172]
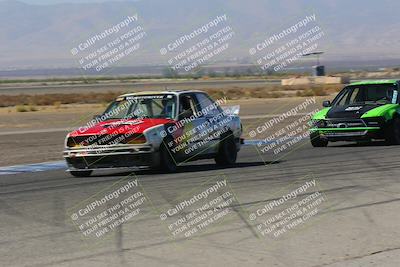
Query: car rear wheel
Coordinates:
[167,162]
[227,152]
[317,141]
[393,132]
[81,173]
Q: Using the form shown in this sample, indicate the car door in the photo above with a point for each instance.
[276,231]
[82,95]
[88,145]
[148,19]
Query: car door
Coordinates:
[192,136]
[213,117]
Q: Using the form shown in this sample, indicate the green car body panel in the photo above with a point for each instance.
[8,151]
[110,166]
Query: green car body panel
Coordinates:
[387,111]
[390,81]
[320,115]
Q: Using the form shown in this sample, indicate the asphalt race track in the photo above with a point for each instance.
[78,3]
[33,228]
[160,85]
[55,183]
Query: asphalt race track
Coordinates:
[356,225]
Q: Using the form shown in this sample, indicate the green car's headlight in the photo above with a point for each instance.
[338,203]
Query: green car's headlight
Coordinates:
[318,123]
[374,122]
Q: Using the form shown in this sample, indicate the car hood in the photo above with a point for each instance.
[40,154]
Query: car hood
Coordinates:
[354,111]
[119,127]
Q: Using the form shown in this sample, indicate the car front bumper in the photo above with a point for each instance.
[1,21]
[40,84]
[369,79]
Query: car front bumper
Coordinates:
[349,134]
[349,129]
[111,157]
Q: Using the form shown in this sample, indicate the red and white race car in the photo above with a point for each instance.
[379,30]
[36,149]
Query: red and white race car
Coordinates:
[155,130]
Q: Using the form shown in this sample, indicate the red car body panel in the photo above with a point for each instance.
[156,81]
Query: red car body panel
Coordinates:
[120,127]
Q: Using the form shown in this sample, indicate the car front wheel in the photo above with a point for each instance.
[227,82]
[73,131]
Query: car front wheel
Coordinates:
[317,141]
[227,152]
[167,161]
[393,132]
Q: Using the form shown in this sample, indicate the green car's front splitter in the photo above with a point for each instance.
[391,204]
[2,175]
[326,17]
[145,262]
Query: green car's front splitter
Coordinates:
[355,129]
[348,134]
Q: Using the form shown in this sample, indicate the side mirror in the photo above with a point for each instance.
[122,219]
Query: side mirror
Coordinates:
[326,103]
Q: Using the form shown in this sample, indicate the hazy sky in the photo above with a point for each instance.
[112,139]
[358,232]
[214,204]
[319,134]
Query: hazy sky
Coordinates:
[70,1]
[357,29]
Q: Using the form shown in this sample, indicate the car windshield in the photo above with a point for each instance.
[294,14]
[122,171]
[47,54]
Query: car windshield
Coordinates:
[136,107]
[379,94]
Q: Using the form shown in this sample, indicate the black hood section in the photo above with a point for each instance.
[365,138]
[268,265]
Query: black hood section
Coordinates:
[349,111]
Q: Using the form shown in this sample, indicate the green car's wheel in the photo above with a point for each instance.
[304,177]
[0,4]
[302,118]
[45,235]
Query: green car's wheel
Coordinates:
[81,173]
[317,141]
[393,132]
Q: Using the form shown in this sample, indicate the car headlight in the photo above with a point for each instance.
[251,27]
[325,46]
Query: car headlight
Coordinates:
[72,142]
[318,123]
[374,122]
[66,141]
[136,139]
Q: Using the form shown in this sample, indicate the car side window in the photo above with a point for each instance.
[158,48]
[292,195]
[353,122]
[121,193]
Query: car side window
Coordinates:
[188,104]
[208,107]
[343,98]
[355,96]
[394,96]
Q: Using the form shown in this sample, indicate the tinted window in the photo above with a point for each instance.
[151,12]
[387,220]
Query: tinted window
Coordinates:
[208,106]
[365,94]
[157,106]
[188,104]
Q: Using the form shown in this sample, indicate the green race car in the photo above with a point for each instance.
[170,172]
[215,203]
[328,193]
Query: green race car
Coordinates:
[361,111]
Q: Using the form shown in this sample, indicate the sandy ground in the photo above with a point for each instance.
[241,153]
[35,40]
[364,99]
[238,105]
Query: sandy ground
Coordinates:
[66,116]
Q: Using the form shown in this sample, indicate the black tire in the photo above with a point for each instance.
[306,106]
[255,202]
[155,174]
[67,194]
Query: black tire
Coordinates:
[317,141]
[81,173]
[227,152]
[392,134]
[167,162]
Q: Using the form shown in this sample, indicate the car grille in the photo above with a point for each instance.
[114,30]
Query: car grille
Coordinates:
[114,161]
[342,123]
[344,134]
[100,140]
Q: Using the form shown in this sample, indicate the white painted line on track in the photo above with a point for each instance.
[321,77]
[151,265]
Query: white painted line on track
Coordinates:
[260,142]
[254,142]
[36,167]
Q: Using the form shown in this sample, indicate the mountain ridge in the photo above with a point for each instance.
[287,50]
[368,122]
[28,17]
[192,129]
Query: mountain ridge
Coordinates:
[43,35]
